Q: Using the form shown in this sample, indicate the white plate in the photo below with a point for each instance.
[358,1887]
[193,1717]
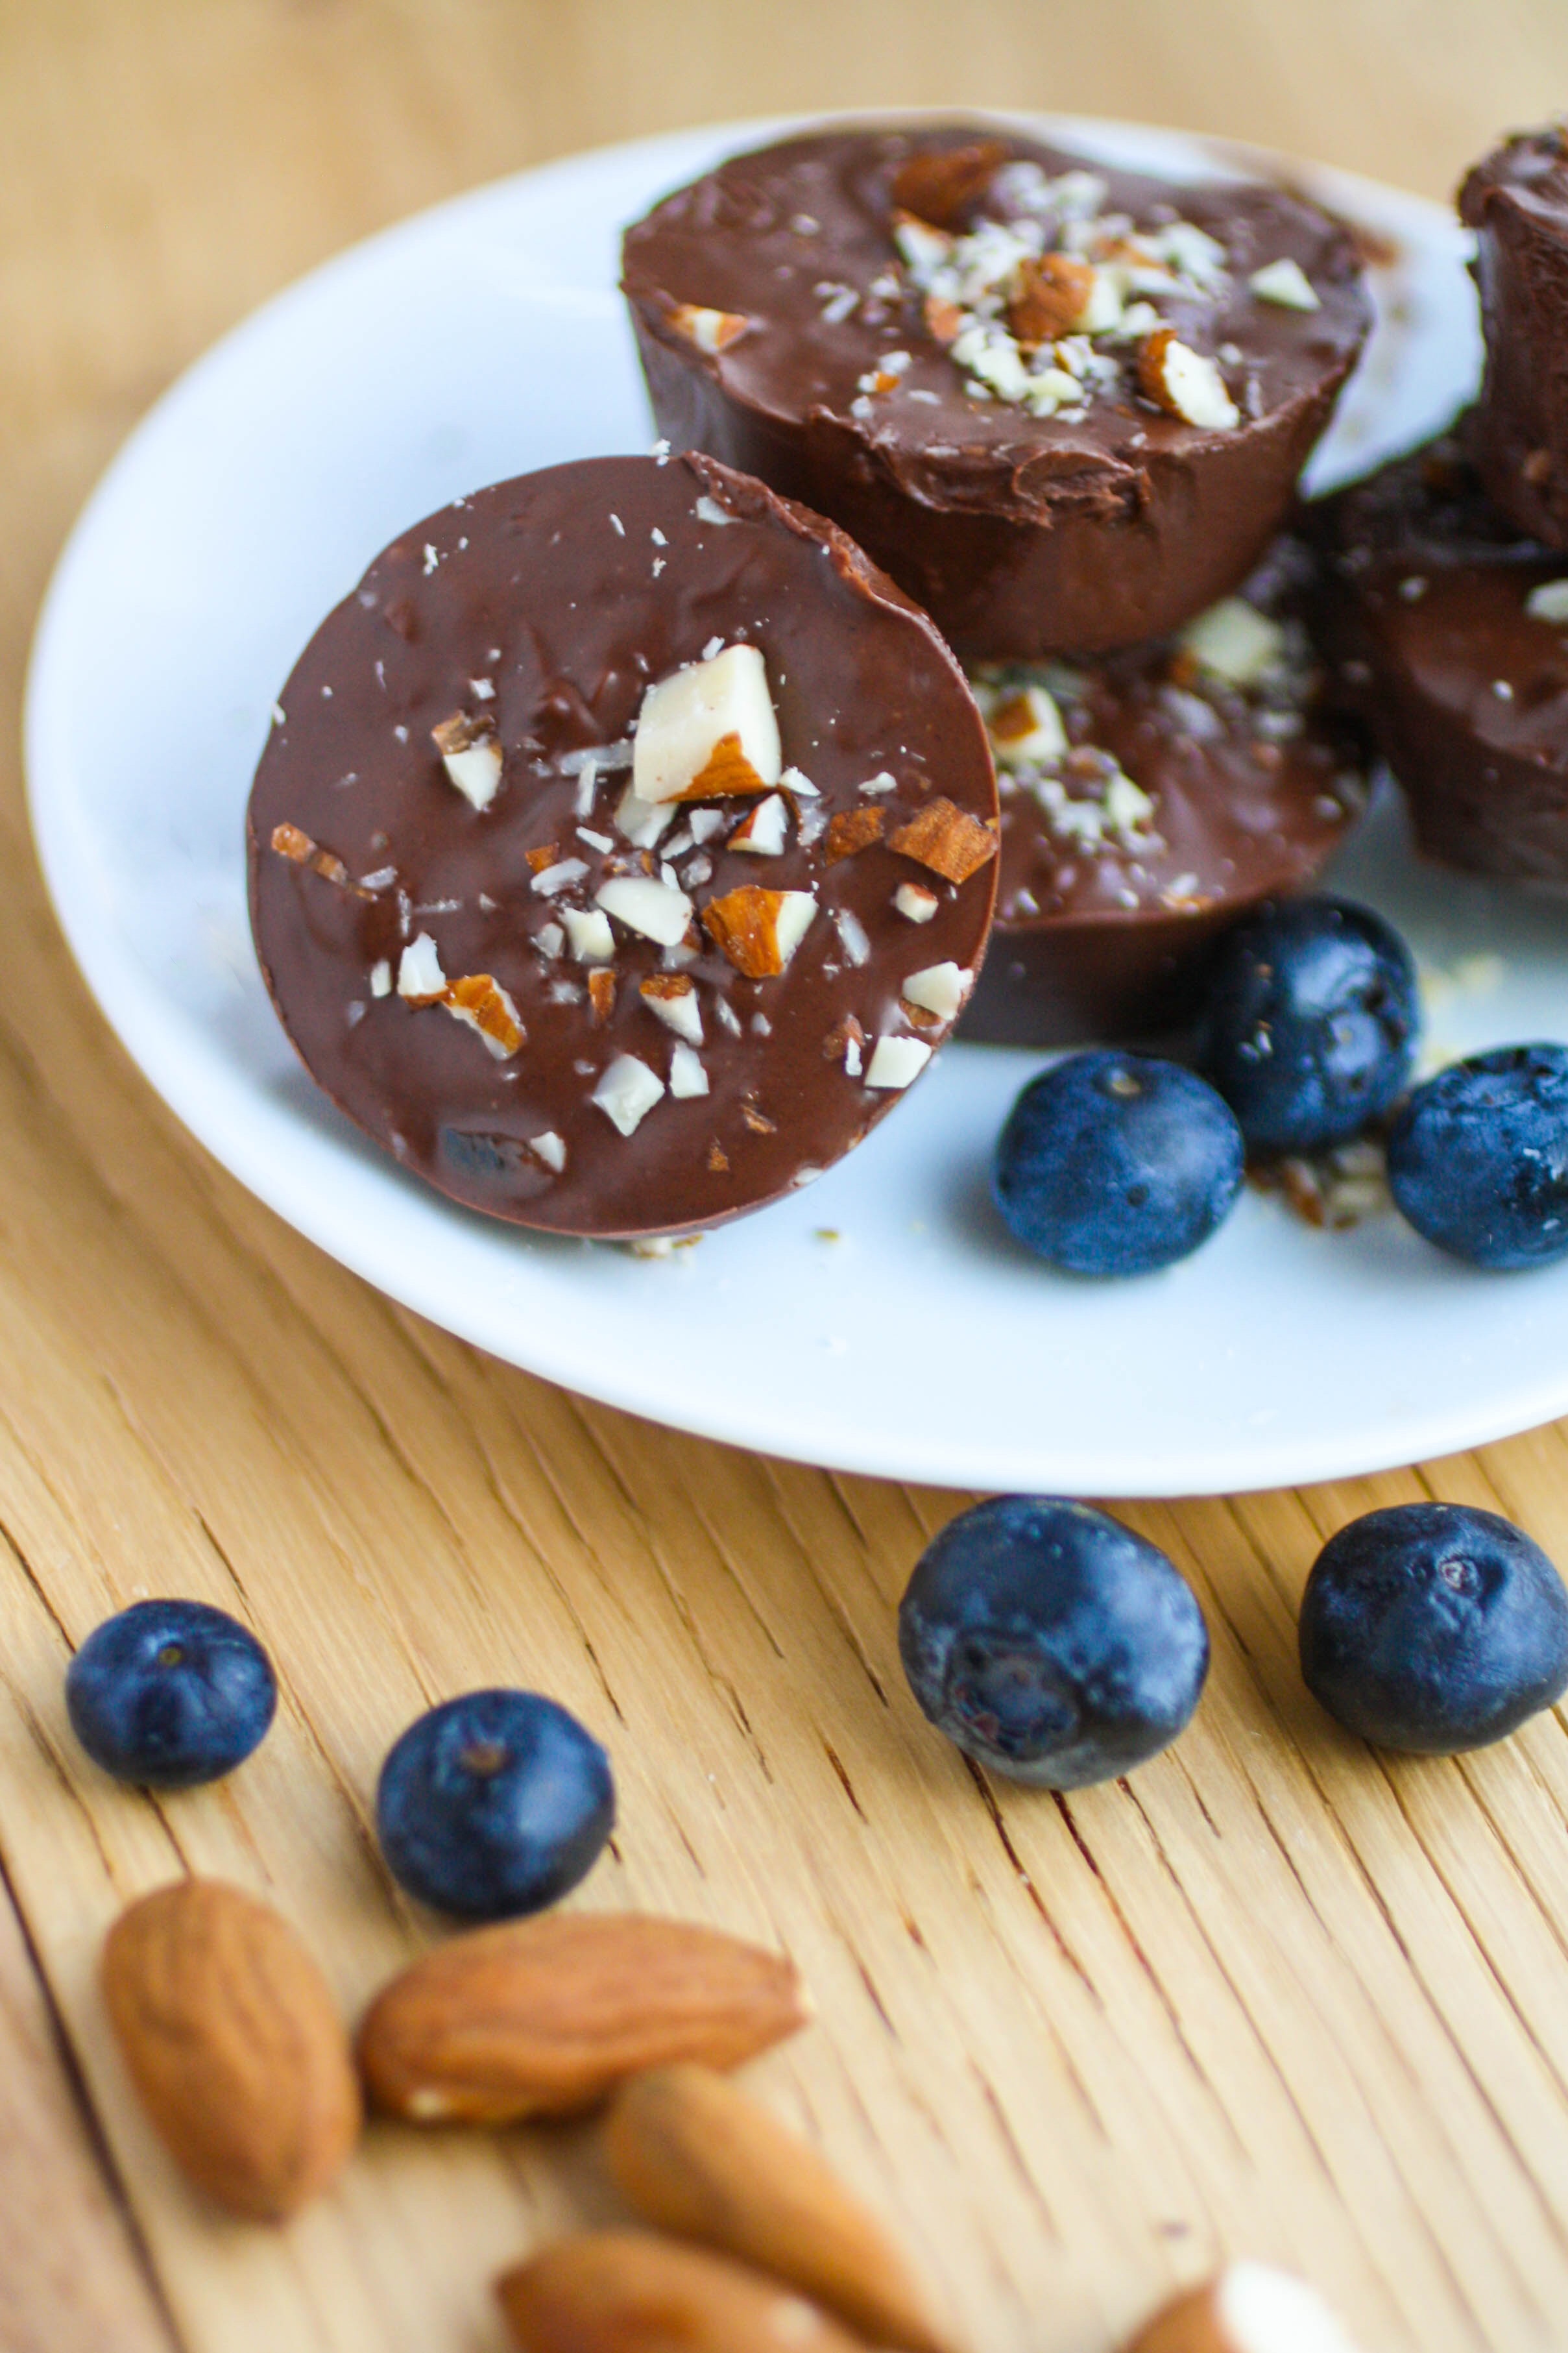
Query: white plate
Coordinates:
[483,339]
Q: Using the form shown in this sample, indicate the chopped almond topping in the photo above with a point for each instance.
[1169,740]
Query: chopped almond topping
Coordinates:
[461,733]
[1184,382]
[919,1017]
[841,1037]
[290,843]
[543,858]
[755,1119]
[758,929]
[944,320]
[1052,291]
[853,829]
[711,331]
[717,1160]
[947,839]
[728,771]
[943,187]
[665,983]
[481,1001]
[601,995]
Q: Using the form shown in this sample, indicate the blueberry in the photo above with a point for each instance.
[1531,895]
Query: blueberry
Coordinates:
[493,1804]
[1116,1164]
[1478,1160]
[1310,1024]
[1051,1643]
[169,1693]
[1433,1627]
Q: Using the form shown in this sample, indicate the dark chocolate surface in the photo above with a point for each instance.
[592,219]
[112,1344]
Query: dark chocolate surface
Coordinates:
[1245,790]
[567,592]
[1467,691]
[1022,535]
[1516,200]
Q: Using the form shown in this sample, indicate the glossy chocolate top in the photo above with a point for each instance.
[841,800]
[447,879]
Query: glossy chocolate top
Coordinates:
[1185,788]
[1436,629]
[799,240]
[537,613]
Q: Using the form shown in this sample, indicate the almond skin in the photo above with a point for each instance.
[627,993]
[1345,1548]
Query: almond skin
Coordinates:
[232,2039]
[693,2155]
[545,2017]
[622,2291]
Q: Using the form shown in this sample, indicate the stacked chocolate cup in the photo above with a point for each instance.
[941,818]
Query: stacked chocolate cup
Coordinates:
[1446,609]
[1066,409]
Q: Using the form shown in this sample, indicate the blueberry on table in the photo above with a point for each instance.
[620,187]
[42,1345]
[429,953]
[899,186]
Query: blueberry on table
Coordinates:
[1310,1024]
[494,1804]
[1478,1158]
[170,1694]
[1433,1627]
[1117,1164]
[1051,1643]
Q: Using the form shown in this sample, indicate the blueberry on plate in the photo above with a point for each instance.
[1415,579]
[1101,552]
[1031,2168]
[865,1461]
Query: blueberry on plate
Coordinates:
[1117,1164]
[170,1694]
[1478,1158]
[1432,1627]
[1310,1023]
[1051,1643]
[494,1804]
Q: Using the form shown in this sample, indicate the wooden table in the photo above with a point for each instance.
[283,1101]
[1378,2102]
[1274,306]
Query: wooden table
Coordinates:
[1277,1996]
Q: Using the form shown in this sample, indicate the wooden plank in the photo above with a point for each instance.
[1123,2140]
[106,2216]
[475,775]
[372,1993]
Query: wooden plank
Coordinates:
[1273,1996]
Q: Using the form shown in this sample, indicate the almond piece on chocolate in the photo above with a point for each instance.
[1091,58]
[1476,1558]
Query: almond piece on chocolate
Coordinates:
[471,754]
[629,2292]
[943,188]
[851,831]
[759,929]
[711,331]
[1184,382]
[1051,293]
[1246,2308]
[946,838]
[693,2155]
[671,997]
[708,731]
[601,995]
[481,1000]
[232,2039]
[545,2017]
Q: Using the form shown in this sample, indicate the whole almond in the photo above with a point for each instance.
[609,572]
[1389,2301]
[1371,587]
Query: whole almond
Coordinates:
[545,2017]
[625,2292]
[693,2155]
[232,2039]
[1248,2308]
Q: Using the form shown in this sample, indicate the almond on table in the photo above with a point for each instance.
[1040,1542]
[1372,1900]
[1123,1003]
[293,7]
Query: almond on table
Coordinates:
[545,2017]
[693,2155]
[629,2292]
[232,2039]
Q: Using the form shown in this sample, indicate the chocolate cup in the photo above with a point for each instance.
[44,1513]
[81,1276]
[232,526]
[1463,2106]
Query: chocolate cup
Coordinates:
[1250,789]
[547,606]
[1021,536]
[1516,200]
[1465,691]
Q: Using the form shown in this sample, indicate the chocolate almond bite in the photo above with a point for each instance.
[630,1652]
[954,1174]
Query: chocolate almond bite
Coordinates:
[577,849]
[1064,407]
[1516,200]
[1448,632]
[1148,801]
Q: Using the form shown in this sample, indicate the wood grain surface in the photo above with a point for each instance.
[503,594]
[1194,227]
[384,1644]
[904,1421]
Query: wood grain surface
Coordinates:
[1275,1996]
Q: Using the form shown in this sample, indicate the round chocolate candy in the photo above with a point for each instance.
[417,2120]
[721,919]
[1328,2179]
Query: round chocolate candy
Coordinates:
[1516,200]
[578,848]
[1064,407]
[1148,800]
[1449,633]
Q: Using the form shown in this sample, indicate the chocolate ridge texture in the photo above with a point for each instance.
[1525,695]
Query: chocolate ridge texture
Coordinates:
[1516,200]
[438,949]
[1022,534]
[1449,634]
